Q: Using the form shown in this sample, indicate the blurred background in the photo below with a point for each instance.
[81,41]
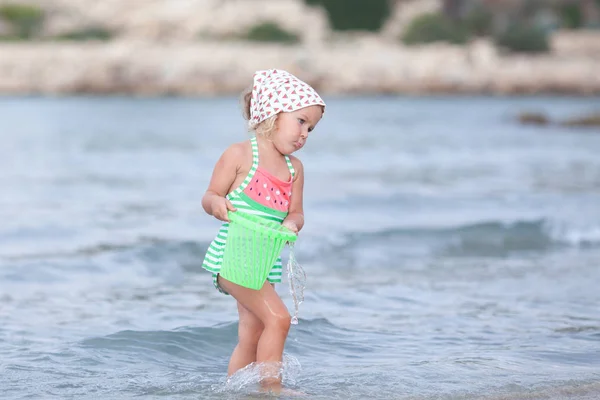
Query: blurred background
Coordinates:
[198,47]
[452,196]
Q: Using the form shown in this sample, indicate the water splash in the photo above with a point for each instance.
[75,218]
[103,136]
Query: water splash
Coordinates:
[297,282]
[247,380]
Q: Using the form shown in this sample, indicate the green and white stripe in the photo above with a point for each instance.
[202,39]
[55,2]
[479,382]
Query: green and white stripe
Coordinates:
[243,203]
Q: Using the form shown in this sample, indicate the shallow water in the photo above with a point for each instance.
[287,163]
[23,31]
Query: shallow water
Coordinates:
[450,252]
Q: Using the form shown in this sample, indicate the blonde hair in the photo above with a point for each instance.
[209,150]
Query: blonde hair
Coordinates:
[267,127]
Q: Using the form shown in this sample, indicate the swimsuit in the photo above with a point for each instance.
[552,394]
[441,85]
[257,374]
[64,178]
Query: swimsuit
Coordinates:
[260,194]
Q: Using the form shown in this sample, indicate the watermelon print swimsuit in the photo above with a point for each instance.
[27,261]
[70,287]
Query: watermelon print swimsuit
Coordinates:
[260,194]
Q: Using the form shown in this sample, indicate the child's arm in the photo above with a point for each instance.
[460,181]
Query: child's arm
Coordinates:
[223,176]
[295,218]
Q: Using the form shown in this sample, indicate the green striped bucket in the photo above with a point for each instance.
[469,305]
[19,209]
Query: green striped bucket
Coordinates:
[252,248]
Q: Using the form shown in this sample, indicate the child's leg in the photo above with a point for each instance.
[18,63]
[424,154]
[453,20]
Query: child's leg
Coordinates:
[249,331]
[266,305]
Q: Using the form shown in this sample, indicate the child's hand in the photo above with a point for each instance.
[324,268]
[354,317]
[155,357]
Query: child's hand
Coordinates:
[291,225]
[220,206]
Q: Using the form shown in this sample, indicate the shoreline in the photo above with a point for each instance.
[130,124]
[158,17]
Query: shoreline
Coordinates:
[357,66]
[424,95]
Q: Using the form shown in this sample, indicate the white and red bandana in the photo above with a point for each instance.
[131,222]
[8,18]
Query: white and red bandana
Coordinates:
[276,91]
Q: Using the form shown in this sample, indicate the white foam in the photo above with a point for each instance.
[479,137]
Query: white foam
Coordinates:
[247,380]
[574,235]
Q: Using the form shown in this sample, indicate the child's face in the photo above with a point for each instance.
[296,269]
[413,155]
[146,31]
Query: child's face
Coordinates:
[294,127]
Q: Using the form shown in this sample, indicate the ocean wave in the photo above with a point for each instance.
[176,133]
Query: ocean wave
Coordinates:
[148,249]
[214,343]
[486,238]
[490,238]
[208,344]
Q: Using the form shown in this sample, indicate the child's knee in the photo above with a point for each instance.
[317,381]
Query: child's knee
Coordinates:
[280,322]
[249,334]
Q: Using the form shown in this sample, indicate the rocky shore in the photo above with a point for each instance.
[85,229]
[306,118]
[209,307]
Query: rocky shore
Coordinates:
[347,65]
[163,47]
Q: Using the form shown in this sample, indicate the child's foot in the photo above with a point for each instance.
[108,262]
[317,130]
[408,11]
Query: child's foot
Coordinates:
[277,390]
[291,392]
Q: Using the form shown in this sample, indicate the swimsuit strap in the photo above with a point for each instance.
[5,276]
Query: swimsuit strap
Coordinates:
[290,166]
